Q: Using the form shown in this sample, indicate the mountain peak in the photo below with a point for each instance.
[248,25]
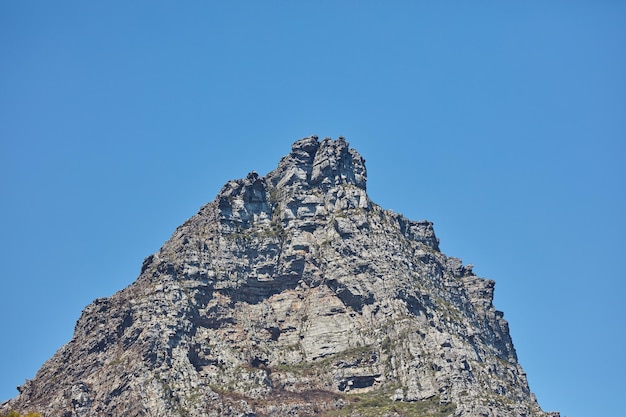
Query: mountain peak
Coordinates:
[291,294]
[322,165]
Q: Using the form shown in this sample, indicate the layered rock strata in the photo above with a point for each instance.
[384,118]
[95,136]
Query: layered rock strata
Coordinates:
[291,294]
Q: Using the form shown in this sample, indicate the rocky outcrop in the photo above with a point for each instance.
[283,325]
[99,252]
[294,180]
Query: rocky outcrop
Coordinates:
[291,294]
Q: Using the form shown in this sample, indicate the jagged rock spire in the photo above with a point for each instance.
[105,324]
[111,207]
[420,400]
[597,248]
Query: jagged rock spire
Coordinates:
[320,164]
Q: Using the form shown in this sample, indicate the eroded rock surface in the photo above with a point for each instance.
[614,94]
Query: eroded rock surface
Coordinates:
[291,294]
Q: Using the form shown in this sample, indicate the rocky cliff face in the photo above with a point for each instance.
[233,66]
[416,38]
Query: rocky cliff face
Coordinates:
[291,294]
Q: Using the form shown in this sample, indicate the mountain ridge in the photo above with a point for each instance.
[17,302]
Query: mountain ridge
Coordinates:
[290,294]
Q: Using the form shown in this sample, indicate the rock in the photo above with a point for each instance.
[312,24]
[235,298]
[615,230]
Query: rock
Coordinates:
[291,294]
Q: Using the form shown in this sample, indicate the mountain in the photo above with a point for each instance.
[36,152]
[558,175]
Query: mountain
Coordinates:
[291,294]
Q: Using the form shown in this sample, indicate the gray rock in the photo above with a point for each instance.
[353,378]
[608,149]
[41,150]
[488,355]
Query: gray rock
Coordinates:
[291,294]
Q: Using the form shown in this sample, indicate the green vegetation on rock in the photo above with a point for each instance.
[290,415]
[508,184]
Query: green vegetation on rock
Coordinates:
[380,404]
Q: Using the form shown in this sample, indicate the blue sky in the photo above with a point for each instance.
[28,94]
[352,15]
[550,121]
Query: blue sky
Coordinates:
[504,123]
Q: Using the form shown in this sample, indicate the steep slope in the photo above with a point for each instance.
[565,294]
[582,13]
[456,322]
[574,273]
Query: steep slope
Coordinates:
[291,294]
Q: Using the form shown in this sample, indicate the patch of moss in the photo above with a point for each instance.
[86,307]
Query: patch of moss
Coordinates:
[379,404]
[314,367]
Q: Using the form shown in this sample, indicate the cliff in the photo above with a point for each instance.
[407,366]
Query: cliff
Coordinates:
[291,294]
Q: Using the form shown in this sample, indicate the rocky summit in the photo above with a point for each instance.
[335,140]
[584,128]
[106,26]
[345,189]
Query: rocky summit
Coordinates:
[291,294]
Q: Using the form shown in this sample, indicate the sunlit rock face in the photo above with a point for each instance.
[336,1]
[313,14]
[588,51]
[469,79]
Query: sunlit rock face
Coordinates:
[291,294]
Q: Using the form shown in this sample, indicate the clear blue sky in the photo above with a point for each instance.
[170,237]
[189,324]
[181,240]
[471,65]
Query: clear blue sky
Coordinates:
[502,122]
